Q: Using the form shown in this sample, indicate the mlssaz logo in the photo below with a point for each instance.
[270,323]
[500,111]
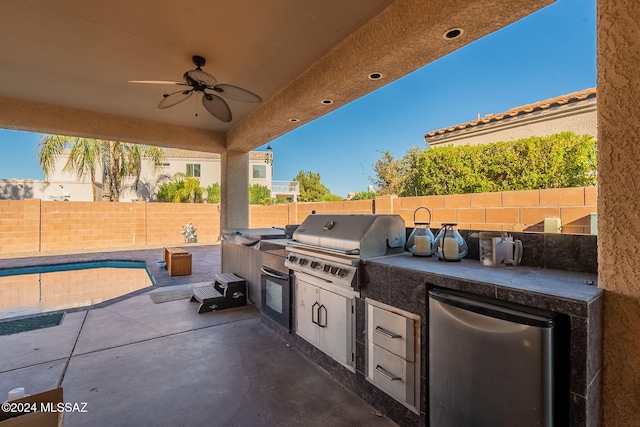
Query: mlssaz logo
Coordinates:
[63,407]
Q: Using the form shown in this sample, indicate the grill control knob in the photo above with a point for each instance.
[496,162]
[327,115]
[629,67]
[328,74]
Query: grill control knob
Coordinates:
[342,272]
[326,268]
[334,270]
[292,258]
[315,264]
[302,261]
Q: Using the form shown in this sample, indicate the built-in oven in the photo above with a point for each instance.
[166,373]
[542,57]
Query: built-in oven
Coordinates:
[275,283]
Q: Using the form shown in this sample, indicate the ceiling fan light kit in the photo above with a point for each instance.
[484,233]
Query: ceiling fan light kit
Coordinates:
[201,81]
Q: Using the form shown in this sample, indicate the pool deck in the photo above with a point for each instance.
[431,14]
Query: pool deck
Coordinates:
[137,363]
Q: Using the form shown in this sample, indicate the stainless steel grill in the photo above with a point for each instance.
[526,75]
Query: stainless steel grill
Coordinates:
[330,247]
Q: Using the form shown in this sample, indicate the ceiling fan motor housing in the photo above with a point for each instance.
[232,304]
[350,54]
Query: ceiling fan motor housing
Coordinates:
[199,79]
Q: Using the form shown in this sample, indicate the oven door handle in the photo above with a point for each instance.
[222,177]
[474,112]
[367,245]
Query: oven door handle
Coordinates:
[272,273]
[313,313]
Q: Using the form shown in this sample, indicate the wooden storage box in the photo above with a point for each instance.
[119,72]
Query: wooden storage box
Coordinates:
[178,261]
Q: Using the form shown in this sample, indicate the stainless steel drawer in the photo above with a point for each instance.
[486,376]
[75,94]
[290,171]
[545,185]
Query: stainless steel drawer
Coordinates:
[392,332]
[392,374]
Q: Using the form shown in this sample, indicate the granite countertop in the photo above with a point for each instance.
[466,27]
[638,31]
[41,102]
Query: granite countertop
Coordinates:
[564,284]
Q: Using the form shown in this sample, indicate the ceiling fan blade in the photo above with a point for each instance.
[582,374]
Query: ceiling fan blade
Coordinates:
[236,93]
[158,82]
[175,98]
[217,107]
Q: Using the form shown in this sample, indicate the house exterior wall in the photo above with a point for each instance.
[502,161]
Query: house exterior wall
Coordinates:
[63,182]
[19,189]
[579,118]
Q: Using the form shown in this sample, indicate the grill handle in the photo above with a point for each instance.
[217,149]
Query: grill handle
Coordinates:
[326,249]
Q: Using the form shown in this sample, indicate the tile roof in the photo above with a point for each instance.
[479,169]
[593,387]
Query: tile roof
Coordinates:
[519,111]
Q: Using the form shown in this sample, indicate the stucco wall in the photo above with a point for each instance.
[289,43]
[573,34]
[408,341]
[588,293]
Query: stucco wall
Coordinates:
[619,206]
[579,118]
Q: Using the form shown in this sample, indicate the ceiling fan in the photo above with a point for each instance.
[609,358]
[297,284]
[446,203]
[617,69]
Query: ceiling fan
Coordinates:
[200,81]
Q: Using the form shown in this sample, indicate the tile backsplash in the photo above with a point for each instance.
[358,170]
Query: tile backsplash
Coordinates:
[570,252]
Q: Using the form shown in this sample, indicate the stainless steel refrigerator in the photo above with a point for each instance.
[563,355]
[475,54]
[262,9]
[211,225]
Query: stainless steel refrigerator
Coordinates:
[496,364]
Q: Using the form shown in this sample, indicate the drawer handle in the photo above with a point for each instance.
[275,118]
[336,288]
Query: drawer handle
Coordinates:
[386,333]
[386,374]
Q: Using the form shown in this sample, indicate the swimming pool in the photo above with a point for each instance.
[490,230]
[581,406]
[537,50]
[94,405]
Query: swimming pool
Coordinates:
[39,289]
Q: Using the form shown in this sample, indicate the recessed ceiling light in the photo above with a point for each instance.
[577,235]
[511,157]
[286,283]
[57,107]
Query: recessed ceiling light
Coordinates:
[375,76]
[327,101]
[453,33]
[294,120]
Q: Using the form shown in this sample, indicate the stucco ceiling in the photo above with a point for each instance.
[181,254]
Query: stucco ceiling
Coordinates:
[65,65]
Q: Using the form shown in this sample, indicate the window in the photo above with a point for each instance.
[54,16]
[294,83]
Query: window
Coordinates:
[260,171]
[193,170]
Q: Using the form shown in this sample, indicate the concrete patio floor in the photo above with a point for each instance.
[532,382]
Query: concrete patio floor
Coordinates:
[137,363]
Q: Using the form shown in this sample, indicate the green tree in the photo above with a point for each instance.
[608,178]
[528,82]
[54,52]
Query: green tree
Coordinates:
[116,159]
[395,176]
[182,189]
[260,195]
[213,193]
[312,190]
[555,161]
[364,195]
[167,191]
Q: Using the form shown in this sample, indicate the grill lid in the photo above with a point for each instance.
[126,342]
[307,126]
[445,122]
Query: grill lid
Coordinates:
[368,236]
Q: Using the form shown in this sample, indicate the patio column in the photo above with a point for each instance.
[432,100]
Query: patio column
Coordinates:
[618,206]
[234,189]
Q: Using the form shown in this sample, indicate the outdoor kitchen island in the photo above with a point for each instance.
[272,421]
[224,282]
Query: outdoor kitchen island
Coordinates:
[402,281]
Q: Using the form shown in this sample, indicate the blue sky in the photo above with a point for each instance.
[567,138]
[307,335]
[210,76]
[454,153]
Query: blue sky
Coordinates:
[547,54]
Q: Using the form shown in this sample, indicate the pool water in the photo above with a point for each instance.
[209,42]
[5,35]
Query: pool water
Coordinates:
[31,290]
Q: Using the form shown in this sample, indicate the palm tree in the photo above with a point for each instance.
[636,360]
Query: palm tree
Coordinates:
[117,160]
[50,147]
[83,157]
[136,155]
[115,171]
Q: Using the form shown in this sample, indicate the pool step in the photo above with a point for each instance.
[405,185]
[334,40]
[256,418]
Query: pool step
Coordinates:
[227,291]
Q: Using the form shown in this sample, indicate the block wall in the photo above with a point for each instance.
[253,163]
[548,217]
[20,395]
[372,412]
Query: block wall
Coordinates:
[42,226]
[165,221]
[502,211]
[19,226]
